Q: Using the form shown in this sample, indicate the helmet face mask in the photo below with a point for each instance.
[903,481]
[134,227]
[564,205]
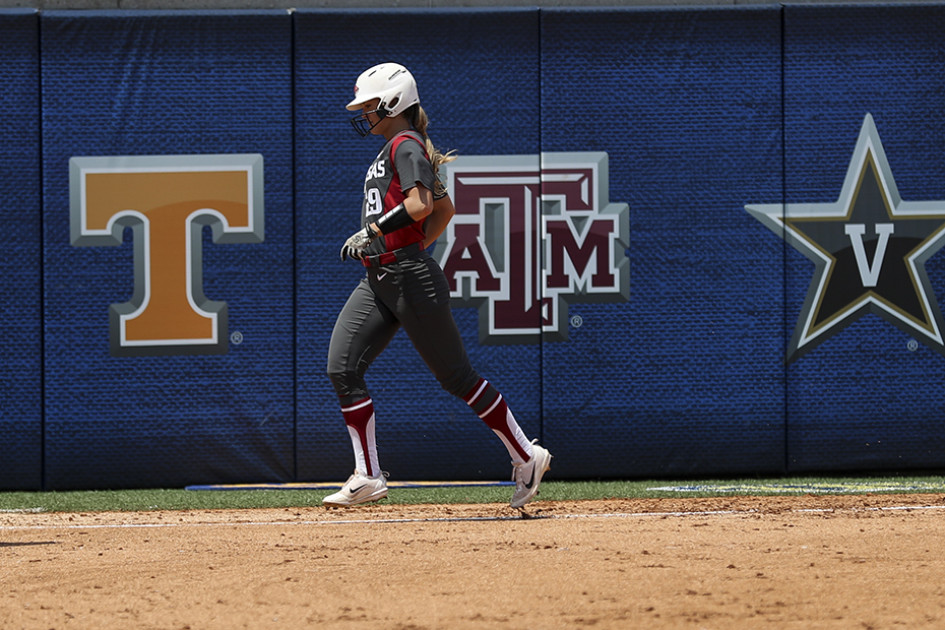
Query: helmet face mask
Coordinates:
[362,123]
[393,86]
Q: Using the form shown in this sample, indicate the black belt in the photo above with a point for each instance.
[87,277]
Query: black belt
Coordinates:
[389,258]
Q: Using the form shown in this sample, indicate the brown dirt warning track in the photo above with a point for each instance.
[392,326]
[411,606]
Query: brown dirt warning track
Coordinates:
[867,561]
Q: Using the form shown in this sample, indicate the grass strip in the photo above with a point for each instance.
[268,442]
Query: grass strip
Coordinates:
[179,499]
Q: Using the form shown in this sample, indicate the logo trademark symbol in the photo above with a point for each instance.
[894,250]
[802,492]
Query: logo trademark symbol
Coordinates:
[577,321]
[236,338]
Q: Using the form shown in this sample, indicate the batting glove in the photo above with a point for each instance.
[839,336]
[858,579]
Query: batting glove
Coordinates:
[354,246]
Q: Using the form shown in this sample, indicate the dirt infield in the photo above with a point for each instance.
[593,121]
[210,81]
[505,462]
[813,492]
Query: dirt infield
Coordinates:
[873,561]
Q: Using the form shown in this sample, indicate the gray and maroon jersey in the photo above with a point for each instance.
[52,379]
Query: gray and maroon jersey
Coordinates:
[385,187]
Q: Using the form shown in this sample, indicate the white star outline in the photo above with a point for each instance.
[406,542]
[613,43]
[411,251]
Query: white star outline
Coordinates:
[775,216]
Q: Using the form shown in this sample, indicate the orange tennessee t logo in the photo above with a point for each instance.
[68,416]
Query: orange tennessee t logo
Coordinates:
[167,200]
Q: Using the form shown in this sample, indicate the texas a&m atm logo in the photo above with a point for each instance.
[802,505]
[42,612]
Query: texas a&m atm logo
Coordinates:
[167,201]
[532,234]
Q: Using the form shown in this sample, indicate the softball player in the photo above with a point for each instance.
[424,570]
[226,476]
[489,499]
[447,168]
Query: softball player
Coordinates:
[405,288]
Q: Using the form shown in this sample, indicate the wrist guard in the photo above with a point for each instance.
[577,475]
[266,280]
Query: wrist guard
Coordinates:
[394,219]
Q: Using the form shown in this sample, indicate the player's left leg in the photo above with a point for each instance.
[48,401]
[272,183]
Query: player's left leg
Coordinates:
[487,403]
[425,315]
[530,461]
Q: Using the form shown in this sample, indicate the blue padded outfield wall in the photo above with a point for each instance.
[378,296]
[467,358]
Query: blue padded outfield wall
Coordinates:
[687,241]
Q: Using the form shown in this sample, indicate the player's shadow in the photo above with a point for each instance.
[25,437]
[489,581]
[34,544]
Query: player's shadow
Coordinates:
[28,543]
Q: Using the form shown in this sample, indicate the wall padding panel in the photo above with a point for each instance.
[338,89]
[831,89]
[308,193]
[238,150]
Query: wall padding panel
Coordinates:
[687,376]
[168,83]
[483,100]
[869,395]
[21,326]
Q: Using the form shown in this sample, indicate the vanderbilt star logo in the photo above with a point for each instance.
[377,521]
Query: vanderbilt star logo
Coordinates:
[869,249]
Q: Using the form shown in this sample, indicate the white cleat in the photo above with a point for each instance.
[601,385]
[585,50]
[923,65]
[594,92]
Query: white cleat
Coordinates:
[357,490]
[527,476]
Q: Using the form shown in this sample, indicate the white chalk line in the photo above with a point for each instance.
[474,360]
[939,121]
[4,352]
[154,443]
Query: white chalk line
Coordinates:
[461,519]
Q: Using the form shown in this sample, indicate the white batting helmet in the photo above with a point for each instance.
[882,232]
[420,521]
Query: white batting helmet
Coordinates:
[391,83]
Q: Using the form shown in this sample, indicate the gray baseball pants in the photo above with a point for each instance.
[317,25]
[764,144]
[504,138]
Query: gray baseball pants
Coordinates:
[412,294]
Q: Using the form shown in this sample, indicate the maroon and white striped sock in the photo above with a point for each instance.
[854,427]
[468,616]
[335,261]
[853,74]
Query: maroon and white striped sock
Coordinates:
[490,406]
[359,418]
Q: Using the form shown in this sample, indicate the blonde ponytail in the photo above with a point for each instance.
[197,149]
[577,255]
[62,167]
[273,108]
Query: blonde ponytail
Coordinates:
[419,120]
